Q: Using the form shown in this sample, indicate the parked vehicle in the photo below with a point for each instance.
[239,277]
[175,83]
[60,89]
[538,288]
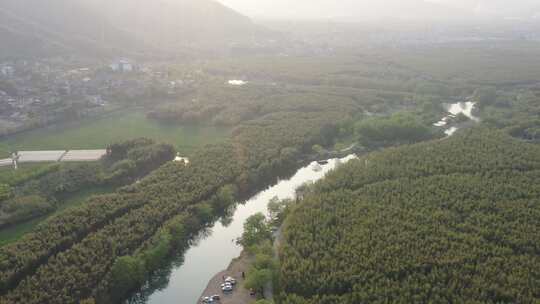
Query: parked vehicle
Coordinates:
[211,300]
[227,287]
[206,300]
[230,280]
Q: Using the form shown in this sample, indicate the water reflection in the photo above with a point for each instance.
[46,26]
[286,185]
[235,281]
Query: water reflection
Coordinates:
[465,108]
[159,280]
[227,217]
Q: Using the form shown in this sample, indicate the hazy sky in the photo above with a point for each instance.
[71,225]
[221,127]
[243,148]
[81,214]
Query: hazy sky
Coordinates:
[378,8]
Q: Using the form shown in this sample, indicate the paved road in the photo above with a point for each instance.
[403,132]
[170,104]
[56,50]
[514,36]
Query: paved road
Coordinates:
[6,162]
[58,156]
[83,155]
[40,156]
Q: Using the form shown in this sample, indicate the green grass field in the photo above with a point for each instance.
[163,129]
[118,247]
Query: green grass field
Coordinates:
[98,133]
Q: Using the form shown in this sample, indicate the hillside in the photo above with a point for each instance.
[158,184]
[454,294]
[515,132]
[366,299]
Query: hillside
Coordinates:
[452,221]
[498,8]
[36,27]
[353,10]
[52,27]
[409,10]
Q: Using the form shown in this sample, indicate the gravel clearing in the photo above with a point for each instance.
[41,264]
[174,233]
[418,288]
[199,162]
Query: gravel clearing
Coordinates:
[240,295]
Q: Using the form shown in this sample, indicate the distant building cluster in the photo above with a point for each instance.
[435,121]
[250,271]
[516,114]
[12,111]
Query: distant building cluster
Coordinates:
[37,93]
[122,65]
[7,70]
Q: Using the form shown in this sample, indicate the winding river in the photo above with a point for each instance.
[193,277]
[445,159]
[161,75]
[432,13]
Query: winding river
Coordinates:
[185,278]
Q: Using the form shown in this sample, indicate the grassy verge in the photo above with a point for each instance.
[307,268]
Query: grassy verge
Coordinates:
[13,233]
[10,176]
[78,198]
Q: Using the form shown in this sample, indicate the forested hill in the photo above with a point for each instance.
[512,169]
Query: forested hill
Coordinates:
[88,27]
[451,221]
[52,27]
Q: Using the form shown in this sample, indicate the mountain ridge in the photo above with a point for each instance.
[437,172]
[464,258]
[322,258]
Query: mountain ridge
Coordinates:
[54,27]
[349,9]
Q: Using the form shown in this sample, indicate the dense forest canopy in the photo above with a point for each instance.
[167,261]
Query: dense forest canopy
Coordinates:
[445,221]
[294,108]
[312,104]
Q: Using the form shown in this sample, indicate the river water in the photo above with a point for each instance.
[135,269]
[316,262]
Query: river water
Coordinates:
[465,108]
[214,249]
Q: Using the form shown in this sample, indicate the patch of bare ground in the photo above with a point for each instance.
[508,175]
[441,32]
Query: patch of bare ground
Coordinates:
[240,295]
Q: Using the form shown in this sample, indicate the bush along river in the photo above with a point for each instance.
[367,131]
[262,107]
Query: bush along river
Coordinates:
[184,277]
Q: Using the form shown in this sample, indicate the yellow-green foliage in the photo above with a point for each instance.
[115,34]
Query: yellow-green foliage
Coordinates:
[452,221]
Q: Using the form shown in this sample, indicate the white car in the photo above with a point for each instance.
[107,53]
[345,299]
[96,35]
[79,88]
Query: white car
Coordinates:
[226,287]
[230,280]
[210,300]
[206,300]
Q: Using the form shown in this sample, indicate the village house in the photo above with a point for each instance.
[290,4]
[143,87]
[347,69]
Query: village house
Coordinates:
[7,70]
[122,65]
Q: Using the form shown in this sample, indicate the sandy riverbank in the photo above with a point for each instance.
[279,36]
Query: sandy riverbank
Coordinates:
[240,294]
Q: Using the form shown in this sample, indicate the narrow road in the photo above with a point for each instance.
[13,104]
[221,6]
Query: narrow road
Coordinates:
[60,156]
[269,288]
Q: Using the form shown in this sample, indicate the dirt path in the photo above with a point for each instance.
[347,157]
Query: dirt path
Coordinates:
[240,295]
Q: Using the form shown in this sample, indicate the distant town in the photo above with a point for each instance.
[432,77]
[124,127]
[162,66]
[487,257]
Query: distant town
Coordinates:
[37,93]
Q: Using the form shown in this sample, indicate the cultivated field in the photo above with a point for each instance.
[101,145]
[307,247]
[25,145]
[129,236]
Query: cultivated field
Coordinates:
[98,133]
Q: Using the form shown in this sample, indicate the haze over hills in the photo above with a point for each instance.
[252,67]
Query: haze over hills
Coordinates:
[171,22]
[53,26]
[44,27]
[354,10]
[358,10]
[185,27]
[498,8]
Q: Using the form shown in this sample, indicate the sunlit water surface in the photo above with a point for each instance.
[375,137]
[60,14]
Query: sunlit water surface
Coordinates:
[465,108]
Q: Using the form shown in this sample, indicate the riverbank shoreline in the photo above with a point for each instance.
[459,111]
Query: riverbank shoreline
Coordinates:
[200,267]
[235,269]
